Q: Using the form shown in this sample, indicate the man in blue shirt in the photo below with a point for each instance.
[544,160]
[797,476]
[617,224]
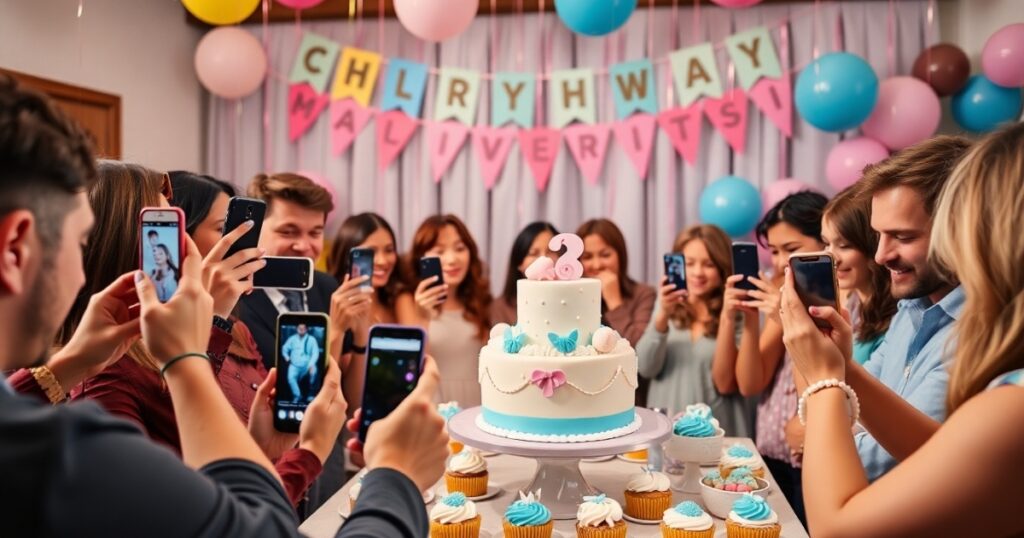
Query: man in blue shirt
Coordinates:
[301,351]
[902,387]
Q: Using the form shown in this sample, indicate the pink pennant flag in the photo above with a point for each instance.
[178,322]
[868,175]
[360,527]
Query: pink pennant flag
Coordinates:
[729,115]
[347,120]
[304,107]
[588,145]
[444,140]
[492,147]
[539,147]
[774,96]
[394,129]
[636,137]
[682,127]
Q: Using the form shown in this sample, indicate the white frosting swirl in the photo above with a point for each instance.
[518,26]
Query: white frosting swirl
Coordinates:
[771,520]
[591,514]
[647,482]
[442,513]
[675,520]
[468,461]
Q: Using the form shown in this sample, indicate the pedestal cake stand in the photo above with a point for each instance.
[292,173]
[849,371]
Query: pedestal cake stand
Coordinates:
[558,464]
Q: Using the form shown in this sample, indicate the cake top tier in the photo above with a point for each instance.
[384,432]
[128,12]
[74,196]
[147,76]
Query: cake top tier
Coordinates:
[559,307]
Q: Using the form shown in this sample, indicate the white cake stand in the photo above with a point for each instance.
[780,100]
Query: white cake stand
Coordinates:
[558,464]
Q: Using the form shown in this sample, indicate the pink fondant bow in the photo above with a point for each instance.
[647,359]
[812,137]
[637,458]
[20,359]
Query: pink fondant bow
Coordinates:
[547,382]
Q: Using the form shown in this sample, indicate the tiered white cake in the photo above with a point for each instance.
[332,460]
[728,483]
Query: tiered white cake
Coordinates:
[539,383]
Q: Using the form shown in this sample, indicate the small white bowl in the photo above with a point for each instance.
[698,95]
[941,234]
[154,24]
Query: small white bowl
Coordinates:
[704,450]
[719,502]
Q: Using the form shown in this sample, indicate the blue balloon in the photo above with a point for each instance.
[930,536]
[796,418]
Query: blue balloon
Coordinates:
[594,17]
[836,92]
[732,204]
[981,105]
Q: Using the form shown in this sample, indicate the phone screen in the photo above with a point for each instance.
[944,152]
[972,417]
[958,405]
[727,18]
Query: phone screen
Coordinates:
[431,266]
[301,365]
[394,359]
[744,262]
[815,281]
[282,272]
[361,263]
[675,270]
[160,252]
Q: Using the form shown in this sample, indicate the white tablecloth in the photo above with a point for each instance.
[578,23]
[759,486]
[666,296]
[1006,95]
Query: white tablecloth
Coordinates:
[511,473]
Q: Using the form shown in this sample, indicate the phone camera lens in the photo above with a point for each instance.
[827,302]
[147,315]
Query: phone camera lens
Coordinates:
[248,212]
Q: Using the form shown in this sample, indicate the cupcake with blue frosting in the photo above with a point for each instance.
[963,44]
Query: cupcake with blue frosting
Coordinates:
[687,520]
[528,518]
[737,456]
[454,516]
[751,517]
[449,410]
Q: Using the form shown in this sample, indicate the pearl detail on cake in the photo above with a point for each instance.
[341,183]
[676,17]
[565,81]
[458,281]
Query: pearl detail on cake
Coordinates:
[564,303]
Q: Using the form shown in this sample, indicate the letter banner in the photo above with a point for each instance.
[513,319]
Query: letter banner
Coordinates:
[314,61]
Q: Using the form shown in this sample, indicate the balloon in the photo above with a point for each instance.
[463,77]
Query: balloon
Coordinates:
[734,4]
[732,204]
[230,62]
[593,17]
[848,158]
[982,105]
[220,12]
[300,4]
[322,181]
[944,67]
[836,92]
[1002,59]
[775,191]
[436,20]
[907,112]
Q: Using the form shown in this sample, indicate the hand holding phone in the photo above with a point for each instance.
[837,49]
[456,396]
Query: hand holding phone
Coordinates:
[675,270]
[394,360]
[814,279]
[301,363]
[241,210]
[162,248]
[360,263]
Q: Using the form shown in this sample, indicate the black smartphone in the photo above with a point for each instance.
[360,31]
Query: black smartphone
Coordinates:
[360,262]
[744,262]
[301,366]
[394,360]
[162,247]
[242,209]
[431,266]
[284,272]
[814,274]
[675,270]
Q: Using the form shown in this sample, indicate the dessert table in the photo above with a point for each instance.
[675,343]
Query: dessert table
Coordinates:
[512,472]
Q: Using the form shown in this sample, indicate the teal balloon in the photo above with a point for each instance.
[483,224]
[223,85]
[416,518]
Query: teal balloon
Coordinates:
[594,17]
[732,204]
[981,105]
[836,92]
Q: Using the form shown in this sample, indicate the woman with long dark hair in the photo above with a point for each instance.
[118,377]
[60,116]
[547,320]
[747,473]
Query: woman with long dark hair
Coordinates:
[530,244]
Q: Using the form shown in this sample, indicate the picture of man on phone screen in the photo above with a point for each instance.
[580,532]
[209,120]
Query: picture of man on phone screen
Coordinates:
[301,351]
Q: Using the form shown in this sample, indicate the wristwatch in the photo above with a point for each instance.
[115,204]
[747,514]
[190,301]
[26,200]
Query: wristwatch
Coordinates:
[223,324]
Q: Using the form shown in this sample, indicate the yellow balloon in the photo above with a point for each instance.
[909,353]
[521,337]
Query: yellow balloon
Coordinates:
[220,12]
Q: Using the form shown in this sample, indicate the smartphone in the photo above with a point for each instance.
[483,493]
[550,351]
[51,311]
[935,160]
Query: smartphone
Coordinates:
[162,247]
[240,210]
[301,366]
[431,266]
[284,272]
[393,366]
[360,262]
[744,262]
[675,270]
[814,274]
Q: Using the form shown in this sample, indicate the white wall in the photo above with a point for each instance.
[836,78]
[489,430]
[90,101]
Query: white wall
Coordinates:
[138,49]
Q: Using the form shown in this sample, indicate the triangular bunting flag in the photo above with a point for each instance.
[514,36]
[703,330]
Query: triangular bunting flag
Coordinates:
[492,145]
[729,116]
[304,107]
[636,137]
[347,120]
[588,145]
[444,140]
[682,127]
[394,129]
[540,147]
[774,96]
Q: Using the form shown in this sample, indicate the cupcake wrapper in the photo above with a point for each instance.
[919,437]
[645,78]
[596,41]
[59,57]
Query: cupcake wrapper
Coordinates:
[465,529]
[351,505]
[618,531]
[735,530]
[669,532]
[470,486]
[538,531]
[646,506]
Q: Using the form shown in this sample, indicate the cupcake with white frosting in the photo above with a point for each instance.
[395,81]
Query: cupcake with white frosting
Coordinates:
[600,517]
[687,520]
[467,473]
[454,517]
[648,495]
[751,517]
[738,455]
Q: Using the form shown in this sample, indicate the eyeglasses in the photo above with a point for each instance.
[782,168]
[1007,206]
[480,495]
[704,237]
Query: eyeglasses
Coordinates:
[166,189]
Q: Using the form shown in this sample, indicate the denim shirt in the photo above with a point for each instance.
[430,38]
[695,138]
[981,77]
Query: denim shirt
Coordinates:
[911,361]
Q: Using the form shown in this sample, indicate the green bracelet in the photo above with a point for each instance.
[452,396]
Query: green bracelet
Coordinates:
[168,364]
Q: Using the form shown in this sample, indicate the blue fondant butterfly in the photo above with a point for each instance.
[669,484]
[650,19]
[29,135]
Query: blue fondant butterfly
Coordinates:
[514,342]
[564,344]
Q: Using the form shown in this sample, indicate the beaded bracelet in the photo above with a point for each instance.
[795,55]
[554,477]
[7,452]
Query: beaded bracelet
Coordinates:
[48,382]
[169,363]
[851,396]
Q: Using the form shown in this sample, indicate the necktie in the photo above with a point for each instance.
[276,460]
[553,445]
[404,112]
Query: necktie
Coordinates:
[293,300]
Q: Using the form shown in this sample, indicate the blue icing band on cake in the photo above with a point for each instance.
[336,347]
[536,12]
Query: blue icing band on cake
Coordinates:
[738,451]
[693,426]
[455,500]
[564,344]
[527,514]
[689,509]
[558,426]
[513,342]
[752,507]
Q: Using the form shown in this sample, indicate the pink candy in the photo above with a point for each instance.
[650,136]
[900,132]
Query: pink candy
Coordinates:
[744,488]
[733,487]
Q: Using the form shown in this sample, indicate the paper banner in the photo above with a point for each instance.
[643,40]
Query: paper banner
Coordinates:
[457,94]
[444,140]
[753,54]
[347,120]
[571,92]
[633,88]
[682,127]
[588,145]
[394,129]
[774,96]
[636,137]
[356,75]
[540,147]
[729,116]
[404,86]
[304,107]
[696,73]
[512,99]
[314,61]
[492,146]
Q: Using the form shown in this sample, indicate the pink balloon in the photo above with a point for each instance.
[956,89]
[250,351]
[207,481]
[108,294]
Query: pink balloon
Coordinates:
[319,179]
[775,191]
[230,62]
[848,158]
[300,4]
[906,113]
[735,4]
[1002,59]
[436,20]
